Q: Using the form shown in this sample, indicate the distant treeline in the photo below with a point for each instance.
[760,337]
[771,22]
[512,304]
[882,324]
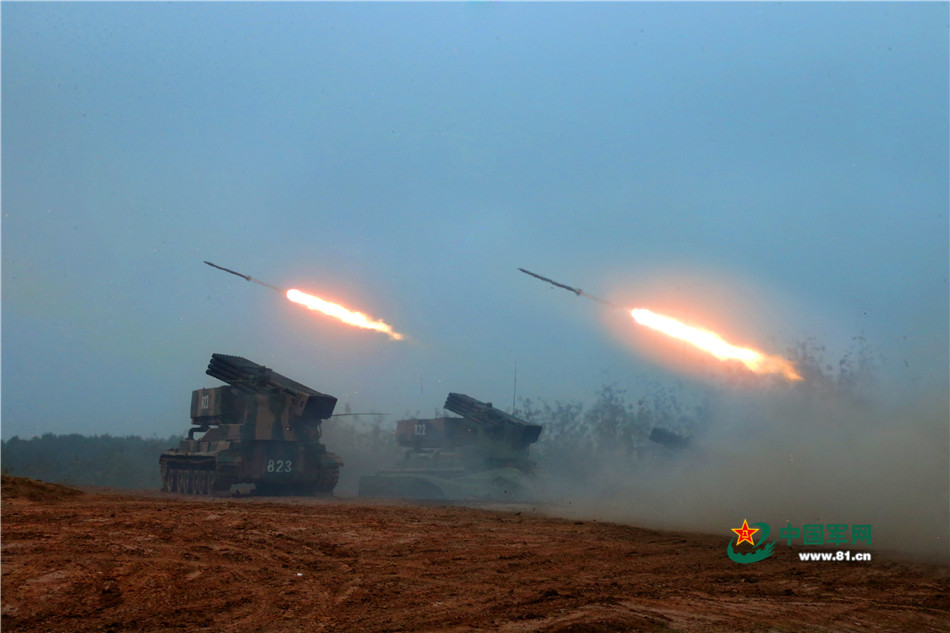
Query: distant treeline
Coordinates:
[101,460]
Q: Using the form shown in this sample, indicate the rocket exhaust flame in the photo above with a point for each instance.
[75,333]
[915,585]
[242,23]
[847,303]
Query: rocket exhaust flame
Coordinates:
[709,342]
[357,319]
[350,317]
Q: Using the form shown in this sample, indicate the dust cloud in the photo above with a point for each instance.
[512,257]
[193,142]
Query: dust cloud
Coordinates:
[829,450]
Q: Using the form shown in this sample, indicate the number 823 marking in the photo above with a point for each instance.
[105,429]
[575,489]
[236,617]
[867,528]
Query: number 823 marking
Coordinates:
[280,465]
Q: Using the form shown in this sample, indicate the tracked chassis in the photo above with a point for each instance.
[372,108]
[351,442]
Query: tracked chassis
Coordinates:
[262,429]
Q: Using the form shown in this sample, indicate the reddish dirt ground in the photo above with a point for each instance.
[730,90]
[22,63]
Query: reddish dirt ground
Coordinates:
[119,561]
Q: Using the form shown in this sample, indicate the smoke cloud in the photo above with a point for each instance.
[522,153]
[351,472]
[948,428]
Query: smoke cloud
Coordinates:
[831,449]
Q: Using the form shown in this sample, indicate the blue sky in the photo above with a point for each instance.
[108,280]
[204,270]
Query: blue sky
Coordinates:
[775,171]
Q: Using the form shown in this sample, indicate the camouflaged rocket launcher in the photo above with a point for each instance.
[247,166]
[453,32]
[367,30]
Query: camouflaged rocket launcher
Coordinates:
[481,455]
[262,429]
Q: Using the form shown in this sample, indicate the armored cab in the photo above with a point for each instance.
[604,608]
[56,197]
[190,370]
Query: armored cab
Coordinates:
[262,429]
[481,455]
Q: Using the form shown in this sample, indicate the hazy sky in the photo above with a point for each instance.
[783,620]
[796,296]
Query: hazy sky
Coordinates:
[775,171]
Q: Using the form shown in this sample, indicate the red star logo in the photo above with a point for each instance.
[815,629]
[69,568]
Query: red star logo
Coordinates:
[745,533]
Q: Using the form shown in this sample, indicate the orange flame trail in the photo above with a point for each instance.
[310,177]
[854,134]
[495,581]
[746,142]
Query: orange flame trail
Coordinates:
[357,319]
[712,343]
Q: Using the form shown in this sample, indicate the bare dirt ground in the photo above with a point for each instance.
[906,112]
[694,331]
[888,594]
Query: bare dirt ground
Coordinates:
[118,561]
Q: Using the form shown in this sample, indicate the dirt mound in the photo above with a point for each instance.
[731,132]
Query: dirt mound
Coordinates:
[33,490]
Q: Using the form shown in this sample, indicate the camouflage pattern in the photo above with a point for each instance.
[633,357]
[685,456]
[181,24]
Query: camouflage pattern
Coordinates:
[263,429]
[261,416]
[483,455]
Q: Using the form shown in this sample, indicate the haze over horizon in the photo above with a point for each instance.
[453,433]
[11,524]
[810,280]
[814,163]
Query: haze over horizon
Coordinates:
[778,173]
